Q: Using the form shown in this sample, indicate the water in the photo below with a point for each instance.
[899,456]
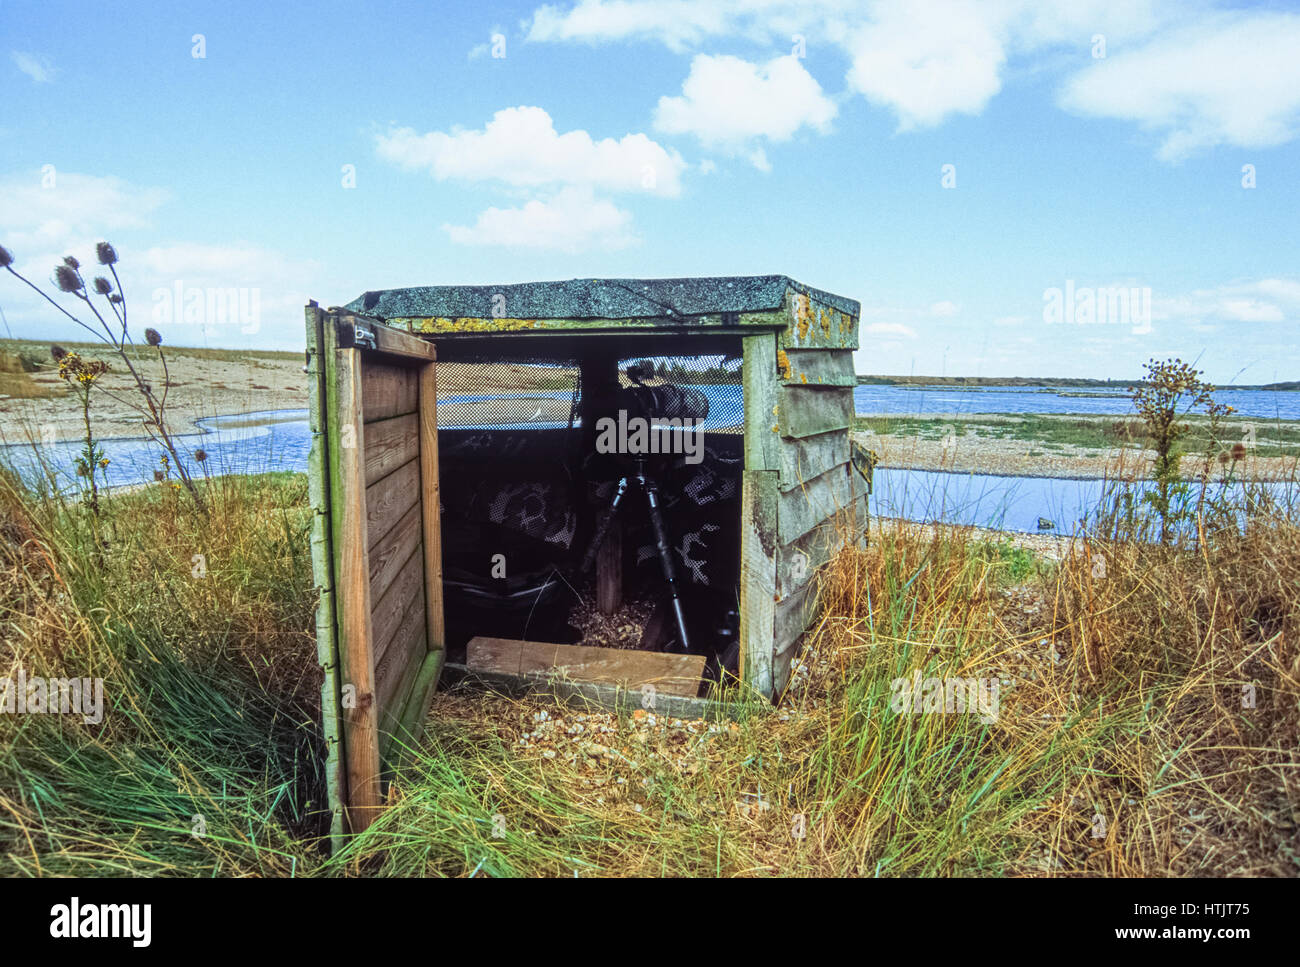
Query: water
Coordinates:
[1005,503]
[726,408]
[280,440]
[243,444]
[911,400]
[254,443]
[1015,503]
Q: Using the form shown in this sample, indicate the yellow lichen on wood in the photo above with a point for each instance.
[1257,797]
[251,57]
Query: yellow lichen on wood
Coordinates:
[802,316]
[471,324]
[783,363]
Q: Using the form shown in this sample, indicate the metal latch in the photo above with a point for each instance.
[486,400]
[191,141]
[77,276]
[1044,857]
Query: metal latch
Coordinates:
[364,337]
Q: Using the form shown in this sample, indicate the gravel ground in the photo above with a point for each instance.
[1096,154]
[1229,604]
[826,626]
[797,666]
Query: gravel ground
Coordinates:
[1052,547]
[970,453]
[198,388]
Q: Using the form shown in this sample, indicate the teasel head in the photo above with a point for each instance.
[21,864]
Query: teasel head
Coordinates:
[102,285]
[200,455]
[153,337]
[58,352]
[105,252]
[6,257]
[66,278]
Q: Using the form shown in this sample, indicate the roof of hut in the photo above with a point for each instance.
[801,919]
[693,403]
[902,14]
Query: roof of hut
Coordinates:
[594,298]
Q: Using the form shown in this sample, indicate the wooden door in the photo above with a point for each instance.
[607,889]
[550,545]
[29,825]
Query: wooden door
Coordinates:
[377,551]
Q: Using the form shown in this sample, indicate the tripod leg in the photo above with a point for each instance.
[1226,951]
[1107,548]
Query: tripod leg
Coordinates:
[602,530]
[665,557]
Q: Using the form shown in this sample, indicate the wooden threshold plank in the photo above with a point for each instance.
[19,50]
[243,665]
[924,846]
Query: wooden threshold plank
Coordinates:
[669,674]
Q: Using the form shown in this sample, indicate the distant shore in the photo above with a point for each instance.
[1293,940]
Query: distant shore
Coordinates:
[1063,446]
[204,383]
[1061,382]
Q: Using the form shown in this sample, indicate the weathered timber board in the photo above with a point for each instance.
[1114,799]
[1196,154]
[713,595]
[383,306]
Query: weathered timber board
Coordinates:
[388,390]
[399,663]
[392,552]
[323,572]
[805,411]
[408,724]
[810,324]
[389,341]
[818,500]
[352,583]
[599,695]
[390,444]
[445,327]
[794,614]
[389,499]
[817,367]
[799,561]
[669,674]
[390,607]
[758,546]
[810,457]
[430,512]
[758,378]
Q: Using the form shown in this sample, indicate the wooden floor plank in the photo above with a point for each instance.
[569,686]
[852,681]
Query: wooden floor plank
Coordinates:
[669,674]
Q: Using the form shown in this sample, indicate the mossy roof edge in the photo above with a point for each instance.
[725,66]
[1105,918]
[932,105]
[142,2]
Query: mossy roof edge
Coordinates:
[593,298]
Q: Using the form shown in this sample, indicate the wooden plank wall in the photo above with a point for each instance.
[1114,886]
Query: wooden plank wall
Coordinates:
[346,448]
[821,500]
[394,534]
[400,472]
[375,467]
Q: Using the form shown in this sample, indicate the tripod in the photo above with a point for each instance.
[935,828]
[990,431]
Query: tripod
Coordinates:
[651,490]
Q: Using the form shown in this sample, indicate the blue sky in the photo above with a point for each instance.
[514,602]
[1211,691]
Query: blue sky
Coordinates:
[660,138]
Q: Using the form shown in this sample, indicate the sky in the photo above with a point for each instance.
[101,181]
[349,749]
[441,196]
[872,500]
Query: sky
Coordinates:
[987,179]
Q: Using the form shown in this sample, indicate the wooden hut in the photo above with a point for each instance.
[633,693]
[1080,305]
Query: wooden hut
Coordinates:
[457,475]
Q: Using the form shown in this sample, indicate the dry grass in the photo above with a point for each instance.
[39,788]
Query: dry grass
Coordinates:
[1121,702]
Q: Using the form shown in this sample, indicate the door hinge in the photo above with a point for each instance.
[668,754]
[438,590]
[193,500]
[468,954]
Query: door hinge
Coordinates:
[363,337]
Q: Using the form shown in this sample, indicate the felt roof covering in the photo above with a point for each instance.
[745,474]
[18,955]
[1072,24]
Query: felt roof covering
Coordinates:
[594,298]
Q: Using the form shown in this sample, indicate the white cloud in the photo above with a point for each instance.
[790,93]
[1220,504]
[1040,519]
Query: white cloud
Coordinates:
[1198,73]
[944,309]
[38,68]
[571,220]
[42,225]
[73,210]
[520,147]
[728,103]
[274,288]
[676,23]
[1232,79]
[929,60]
[1254,301]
